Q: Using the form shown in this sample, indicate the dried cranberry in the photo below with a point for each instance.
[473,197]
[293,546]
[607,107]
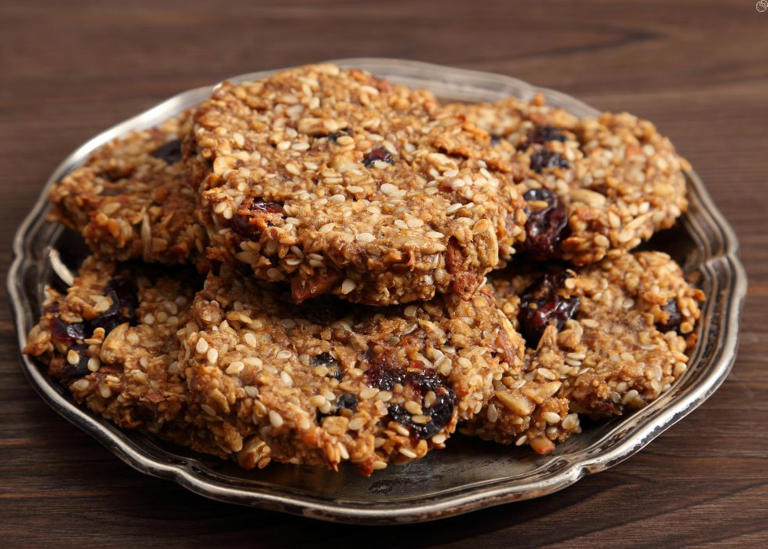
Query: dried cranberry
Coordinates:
[80,369]
[542,134]
[378,154]
[122,292]
[323,359]
[399,414]
[68,333]
[543,159]
[115,174]
[441,413]
[347,401]
[170,152]
[545,227]
[327,359]
[541,305]
[385,376]
[674,318]
[254,216]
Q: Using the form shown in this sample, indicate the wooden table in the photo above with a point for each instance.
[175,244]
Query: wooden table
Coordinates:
[697,68]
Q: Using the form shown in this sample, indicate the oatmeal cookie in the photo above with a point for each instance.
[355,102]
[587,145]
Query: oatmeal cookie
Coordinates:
[132,199]
[601,341]
[111,341]
[324,381]
[594,186]
[342,183]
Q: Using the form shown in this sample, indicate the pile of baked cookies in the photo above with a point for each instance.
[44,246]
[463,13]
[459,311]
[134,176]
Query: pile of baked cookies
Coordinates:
[323,266]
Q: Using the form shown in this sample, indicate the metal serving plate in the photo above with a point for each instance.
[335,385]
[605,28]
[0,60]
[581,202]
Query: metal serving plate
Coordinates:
[470,474]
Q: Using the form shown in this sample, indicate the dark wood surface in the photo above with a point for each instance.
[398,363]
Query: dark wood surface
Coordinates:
[699,69]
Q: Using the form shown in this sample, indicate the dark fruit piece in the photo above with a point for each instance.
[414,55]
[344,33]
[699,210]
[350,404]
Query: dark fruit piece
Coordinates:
[542,134]
[253,216]
[381,154]
[541,305]
[385,376]
[674,318]
[347,401]
[545,227]
[327,359]
[399,414]
[323,359]
[441,413]
[170,152]
[70,371]
[541,160]
[68,333]
[122,292]
[116,174]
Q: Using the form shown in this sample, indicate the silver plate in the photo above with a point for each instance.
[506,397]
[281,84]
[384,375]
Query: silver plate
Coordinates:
[471,474]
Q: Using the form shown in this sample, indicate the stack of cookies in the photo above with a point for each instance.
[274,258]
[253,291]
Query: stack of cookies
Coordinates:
[323,267]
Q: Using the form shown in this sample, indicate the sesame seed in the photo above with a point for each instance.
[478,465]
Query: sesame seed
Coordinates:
[439,438]
[355,424]
[413,407]
[202,346]
[212,355]
[275,419]
[388,189]
[347,286]
[286,378]
[235,368]
[365,237]
[317,401]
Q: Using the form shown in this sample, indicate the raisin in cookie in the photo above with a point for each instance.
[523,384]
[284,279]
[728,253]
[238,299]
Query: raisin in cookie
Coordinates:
[324,381]
[602,340]
[132,199]
[342,183]
[594,186]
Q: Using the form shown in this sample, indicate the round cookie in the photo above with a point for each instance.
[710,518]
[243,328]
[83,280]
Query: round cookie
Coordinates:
[111,341]
[132,198]
[602,340]
[594,186]
[325,382]
[342,183]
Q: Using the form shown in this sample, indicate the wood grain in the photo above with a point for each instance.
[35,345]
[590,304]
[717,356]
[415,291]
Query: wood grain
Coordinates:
[697,68]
